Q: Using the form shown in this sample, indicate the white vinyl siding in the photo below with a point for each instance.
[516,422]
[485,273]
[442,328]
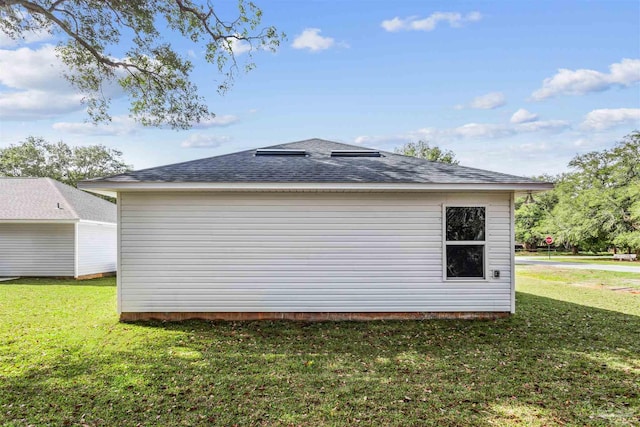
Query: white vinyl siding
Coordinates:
[302,252]
[37,249]
[97,248]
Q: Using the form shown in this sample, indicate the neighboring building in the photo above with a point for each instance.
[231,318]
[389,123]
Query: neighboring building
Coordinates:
[314,230]
[50,229]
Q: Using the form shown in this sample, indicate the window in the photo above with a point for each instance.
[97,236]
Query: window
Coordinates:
[465,245]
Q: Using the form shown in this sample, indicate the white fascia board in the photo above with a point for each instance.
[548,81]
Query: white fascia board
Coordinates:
[111,189]
[38,221]
[87,221]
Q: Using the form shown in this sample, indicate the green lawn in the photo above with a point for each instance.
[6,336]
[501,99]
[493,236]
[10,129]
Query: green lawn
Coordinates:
[586,260]
[545,277]
[570,356]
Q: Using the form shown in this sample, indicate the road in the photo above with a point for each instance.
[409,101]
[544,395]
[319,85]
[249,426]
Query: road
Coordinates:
[578,265]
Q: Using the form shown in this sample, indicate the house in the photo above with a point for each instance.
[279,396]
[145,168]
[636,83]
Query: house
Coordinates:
[50,229]
[314,230]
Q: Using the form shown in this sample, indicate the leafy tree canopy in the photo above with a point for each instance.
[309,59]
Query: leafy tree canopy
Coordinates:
[36,157]
[596,206]
[423,150]
[121,42]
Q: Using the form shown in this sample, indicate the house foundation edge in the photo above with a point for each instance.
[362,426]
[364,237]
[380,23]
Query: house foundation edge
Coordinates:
[308,316]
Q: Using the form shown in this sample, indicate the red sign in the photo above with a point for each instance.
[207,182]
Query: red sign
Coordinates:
[549,240]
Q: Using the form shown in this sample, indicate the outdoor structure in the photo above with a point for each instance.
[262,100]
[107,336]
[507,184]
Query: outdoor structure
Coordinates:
[50,229]
[314,230]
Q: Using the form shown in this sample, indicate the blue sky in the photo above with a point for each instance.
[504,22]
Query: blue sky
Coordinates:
[512,86]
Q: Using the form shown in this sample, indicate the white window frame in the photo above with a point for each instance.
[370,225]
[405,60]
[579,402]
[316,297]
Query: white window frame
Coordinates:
[484,243]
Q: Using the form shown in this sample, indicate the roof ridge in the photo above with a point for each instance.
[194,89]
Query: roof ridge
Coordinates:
[357,147]
[54,183]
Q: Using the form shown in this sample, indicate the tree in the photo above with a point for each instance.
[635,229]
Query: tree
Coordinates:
[36,157]
[530,228]
[107,42]
[423,150]
[597,204]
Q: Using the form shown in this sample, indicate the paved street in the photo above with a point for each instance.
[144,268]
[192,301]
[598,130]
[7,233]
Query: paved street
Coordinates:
[622,266]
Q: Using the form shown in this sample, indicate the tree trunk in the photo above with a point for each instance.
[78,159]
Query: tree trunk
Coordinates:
[574,250]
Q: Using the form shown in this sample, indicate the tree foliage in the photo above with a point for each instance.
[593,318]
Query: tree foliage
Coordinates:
[423,150]
[529,226]
[36,157]
[122,42]
[594,207]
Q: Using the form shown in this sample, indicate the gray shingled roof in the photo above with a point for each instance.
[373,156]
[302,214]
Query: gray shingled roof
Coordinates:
[38,198]
[316,166]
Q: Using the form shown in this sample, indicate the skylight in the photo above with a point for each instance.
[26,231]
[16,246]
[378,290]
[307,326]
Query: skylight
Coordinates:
[280,152]
[355,153]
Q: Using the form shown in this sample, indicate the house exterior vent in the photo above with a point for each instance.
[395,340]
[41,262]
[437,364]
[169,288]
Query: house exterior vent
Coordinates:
[355,153]
[280,152]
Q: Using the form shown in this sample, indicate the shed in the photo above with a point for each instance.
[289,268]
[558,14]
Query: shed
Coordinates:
[49,229]
[314,230]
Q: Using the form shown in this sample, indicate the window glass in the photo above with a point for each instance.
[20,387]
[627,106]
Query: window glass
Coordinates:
[465,223]
[465,261]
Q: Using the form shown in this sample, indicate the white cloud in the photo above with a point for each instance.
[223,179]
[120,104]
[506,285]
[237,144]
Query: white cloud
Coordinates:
[311,39]
[381,140]
[523,116]
[37,86]
[469,131]
[217,121]
[607,118]
[28,37]
[119,125]
[531,147]
[481,130]
[36,104]
[26,68]
[488,101]
[415,23]
[125,125]
[582,81]
[542,125]
[237,46]
[199,140]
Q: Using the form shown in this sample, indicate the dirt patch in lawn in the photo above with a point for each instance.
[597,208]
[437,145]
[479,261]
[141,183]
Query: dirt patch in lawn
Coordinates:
[633,289]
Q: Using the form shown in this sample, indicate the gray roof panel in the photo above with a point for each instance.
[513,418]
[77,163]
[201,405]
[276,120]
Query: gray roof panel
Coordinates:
[317,166]
[45,199]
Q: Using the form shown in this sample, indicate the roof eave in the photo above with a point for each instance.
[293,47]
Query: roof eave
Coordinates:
[112,188]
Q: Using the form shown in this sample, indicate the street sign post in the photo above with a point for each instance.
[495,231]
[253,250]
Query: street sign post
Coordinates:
[549,241]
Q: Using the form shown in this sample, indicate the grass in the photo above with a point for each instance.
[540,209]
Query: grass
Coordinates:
[608,261]
[545,276]
[585,258]
[542,252]
[570,356]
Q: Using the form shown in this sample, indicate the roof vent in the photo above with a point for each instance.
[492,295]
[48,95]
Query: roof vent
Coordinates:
[280,152]
[355,153]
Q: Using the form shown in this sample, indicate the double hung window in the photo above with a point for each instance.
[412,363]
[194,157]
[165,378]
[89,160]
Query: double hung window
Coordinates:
[465,242]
